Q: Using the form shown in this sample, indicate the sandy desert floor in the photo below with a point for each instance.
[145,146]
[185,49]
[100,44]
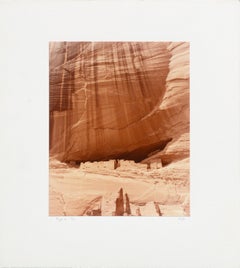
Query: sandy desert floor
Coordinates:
[77,192]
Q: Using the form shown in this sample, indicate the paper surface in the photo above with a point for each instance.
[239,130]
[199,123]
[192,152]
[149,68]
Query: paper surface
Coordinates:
[210,237]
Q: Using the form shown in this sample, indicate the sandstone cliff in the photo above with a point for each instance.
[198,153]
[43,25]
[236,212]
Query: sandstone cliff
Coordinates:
[119,100]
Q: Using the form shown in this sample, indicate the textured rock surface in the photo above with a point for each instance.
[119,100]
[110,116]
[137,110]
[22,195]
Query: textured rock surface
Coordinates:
[111,105]
[176,98]
[77,192]
[117,100]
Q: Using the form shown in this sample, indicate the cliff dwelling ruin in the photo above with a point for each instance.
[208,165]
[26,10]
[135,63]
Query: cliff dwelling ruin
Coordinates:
[119,119]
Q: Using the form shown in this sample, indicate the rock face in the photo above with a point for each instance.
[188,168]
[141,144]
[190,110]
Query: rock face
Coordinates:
[119,100]
[120,204]
[95,191]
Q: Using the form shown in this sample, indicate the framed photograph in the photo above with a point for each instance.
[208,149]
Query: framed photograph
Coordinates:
[119,134]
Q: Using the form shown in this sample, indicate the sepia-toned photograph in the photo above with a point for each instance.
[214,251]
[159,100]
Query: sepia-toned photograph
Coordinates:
[119,129]
[120,134]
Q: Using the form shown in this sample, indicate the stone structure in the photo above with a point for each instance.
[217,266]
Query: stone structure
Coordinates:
[110,165]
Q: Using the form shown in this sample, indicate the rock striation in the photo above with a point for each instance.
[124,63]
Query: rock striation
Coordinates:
[112,100]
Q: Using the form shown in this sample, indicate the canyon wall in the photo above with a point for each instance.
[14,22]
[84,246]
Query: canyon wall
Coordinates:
[119,100]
